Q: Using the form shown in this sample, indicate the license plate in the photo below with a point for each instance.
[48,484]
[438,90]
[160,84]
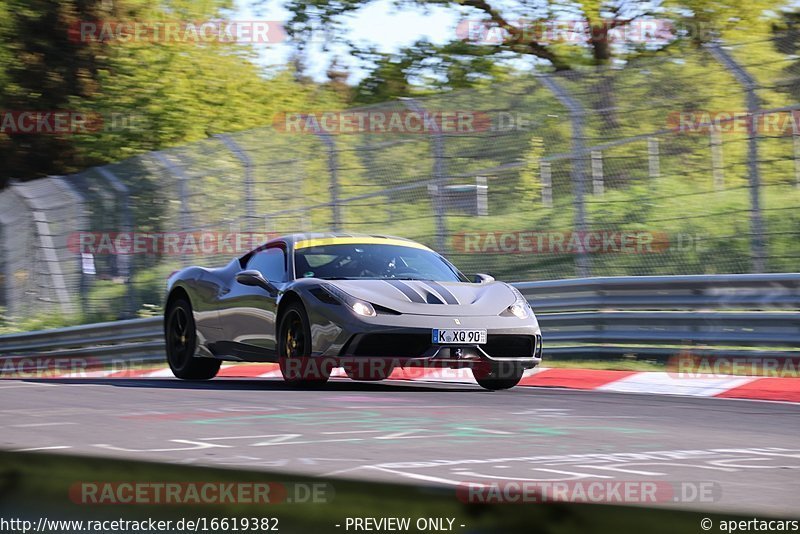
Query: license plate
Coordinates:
[459,337]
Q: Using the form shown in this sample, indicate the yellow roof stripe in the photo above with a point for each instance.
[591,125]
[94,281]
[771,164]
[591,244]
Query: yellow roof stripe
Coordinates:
[321,241]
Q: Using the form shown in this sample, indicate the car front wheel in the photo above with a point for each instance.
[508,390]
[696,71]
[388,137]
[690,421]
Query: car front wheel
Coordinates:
[294,350]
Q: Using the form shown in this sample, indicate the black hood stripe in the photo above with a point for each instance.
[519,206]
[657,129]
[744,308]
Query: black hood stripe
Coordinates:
[412,295]
[448,297]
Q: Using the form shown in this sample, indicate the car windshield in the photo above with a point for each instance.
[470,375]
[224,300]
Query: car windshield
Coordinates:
[373,261]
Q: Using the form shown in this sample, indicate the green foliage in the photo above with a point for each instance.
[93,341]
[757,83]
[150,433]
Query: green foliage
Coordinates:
[461,63]
[530,175]
[104,302]
[149,95]
[424,68]
[40,322]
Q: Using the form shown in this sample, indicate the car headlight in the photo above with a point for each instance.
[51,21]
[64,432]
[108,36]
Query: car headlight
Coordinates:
[363,308]
[359,307]
[520,308]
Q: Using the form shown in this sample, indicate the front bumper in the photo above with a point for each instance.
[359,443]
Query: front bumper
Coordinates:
[459,356]
[406,340]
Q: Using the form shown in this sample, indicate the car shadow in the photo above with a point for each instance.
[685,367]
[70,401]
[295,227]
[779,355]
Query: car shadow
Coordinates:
[260,384]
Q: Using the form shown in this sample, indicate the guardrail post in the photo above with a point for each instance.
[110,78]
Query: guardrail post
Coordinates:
[439,175]
[576,113]
[753,107]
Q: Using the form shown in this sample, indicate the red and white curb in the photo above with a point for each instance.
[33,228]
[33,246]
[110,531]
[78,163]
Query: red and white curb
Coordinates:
[656,383]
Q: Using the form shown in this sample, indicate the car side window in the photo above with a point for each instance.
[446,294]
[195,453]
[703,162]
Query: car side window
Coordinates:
[271,263]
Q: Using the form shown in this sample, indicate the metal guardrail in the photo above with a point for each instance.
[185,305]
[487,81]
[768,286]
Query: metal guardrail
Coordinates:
[743,292]
[139,339]
[650,316]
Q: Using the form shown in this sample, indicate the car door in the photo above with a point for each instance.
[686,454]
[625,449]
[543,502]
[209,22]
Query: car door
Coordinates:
[247,313]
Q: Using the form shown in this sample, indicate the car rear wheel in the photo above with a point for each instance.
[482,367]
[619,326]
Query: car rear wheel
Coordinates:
[181,339]
[294,349]
[497,375]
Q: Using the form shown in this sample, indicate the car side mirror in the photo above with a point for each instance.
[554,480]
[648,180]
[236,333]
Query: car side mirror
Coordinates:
[251,277]
[481,278]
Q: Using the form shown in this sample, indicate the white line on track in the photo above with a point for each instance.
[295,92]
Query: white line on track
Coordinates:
[415,476]
[27,385]
[259,436]
[571,473]
[307,442]
[621,470]
[31,425]
[348,470]
[351,432]
[51,448]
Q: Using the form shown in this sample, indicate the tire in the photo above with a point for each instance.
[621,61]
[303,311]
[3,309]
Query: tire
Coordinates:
[496,376]
[368,371]
[294,350]
[180,335]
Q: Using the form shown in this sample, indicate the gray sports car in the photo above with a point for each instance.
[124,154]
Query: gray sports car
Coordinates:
[365,303]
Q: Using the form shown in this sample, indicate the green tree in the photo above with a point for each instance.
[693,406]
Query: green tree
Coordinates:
[426,67]
[522,31]
[41,70]
[149,94]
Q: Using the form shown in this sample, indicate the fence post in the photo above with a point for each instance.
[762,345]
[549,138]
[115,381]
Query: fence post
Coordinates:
[439,175]
[750,85]
[576,113]
[124,261]
[717,159]
[597,173]
[653,157]
[333,167]
[796,145]
[48,248]
[51,227]
[796,141]
[482,195]
[247,162]
[546,172]
[183,193]
[6,274]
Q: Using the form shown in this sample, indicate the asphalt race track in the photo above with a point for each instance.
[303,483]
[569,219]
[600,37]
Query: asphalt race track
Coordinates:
[442,434]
